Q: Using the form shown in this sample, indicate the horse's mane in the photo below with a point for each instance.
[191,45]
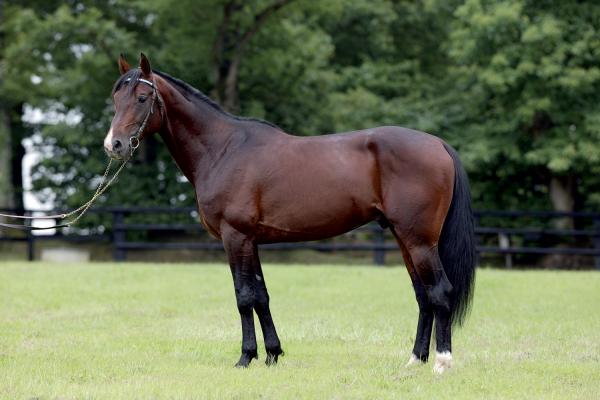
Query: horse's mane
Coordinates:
[187,90]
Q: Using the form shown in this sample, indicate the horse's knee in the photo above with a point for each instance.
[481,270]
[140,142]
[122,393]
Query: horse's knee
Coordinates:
[245,297]
[262,299]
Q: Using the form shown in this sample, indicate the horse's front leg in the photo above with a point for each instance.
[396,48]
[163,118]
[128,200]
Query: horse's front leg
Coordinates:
[261,306]
[240,251]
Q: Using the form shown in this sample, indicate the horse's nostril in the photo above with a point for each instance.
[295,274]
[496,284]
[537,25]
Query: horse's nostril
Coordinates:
[117,144]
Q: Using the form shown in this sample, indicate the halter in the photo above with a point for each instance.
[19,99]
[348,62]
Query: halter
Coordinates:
[134,140]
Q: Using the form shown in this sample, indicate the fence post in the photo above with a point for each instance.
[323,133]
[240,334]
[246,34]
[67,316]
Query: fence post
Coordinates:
[30,238]
[119,254]
[30,246]
[504,243]
[379,248]
[597,241]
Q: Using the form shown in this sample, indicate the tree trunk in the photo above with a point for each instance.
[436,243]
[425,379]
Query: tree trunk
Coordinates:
[18,132]
[231,100]
[6,195]
[229,47]
[562,196]
[6,192]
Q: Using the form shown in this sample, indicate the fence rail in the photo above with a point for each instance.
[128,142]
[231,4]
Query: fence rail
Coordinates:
[494,237]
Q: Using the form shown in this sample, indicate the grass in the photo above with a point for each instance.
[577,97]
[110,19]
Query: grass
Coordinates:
[144,331]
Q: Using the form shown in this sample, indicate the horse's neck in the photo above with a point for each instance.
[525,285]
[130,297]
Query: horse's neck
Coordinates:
[195,133]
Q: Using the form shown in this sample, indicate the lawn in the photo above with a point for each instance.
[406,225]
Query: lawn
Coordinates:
[145,331]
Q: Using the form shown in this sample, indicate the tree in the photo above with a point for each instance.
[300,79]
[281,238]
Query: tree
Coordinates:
[5,142]
[73,50]
[239,24]
[513,84]
[527,73]
[49,65]
[12,130]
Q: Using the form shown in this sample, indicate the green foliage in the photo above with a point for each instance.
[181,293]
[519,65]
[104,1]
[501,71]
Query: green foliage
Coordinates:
[513,84]
[531,78]
[73,52]
[293,78]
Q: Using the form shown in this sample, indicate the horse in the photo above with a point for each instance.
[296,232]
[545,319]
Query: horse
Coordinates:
[256,184]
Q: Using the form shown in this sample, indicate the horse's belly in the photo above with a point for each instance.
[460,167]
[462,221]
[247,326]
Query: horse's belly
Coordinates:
[313,215]
[315,189]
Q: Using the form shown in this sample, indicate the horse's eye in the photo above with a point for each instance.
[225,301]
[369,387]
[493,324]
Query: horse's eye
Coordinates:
[142,99]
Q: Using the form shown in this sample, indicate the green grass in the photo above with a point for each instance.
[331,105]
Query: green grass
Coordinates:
[142,331]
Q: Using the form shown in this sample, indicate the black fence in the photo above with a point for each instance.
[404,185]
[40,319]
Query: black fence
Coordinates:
[509,237]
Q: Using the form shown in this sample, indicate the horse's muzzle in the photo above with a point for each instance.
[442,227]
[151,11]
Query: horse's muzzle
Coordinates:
[116,148]
[117,155]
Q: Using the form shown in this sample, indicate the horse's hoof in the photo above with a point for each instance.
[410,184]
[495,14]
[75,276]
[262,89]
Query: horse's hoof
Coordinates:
[443,362]
[273,356]
[245,360]
[414,360]
[271,359]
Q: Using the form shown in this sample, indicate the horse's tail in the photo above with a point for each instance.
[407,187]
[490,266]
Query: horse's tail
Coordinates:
[457,243]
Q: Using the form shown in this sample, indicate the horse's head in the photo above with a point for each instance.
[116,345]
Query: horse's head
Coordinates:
[137,109]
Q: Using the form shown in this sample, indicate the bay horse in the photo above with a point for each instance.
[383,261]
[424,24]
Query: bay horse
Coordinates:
[256,184]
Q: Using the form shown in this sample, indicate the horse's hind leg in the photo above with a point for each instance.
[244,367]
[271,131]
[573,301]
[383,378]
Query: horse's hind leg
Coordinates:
[421,348]
[261,306]
[420,353]
[438,288]
[432,289]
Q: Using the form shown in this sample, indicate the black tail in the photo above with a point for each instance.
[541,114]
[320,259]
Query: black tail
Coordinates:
[457,243]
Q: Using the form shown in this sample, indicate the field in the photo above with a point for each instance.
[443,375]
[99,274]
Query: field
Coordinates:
[144,331]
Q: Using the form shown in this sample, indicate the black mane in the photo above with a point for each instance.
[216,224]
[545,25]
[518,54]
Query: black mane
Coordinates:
[187,90]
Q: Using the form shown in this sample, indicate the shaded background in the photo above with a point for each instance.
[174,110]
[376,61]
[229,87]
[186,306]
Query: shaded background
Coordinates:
[513,85]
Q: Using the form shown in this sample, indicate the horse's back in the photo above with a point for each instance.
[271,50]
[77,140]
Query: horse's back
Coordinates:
[390,151]
[403,142]
[404,172]
[333,183]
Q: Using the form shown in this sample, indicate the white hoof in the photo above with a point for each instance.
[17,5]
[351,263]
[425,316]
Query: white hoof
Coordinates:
[443,362]
[413,360]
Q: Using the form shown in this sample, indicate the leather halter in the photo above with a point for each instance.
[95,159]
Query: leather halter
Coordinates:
[134,140]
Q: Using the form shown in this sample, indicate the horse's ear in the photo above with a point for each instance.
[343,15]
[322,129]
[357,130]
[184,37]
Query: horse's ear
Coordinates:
[123,64]
[145,65]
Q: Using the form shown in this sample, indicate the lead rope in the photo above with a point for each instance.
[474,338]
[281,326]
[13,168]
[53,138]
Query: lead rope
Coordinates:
[63,216]
[134,143]
[102,187]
